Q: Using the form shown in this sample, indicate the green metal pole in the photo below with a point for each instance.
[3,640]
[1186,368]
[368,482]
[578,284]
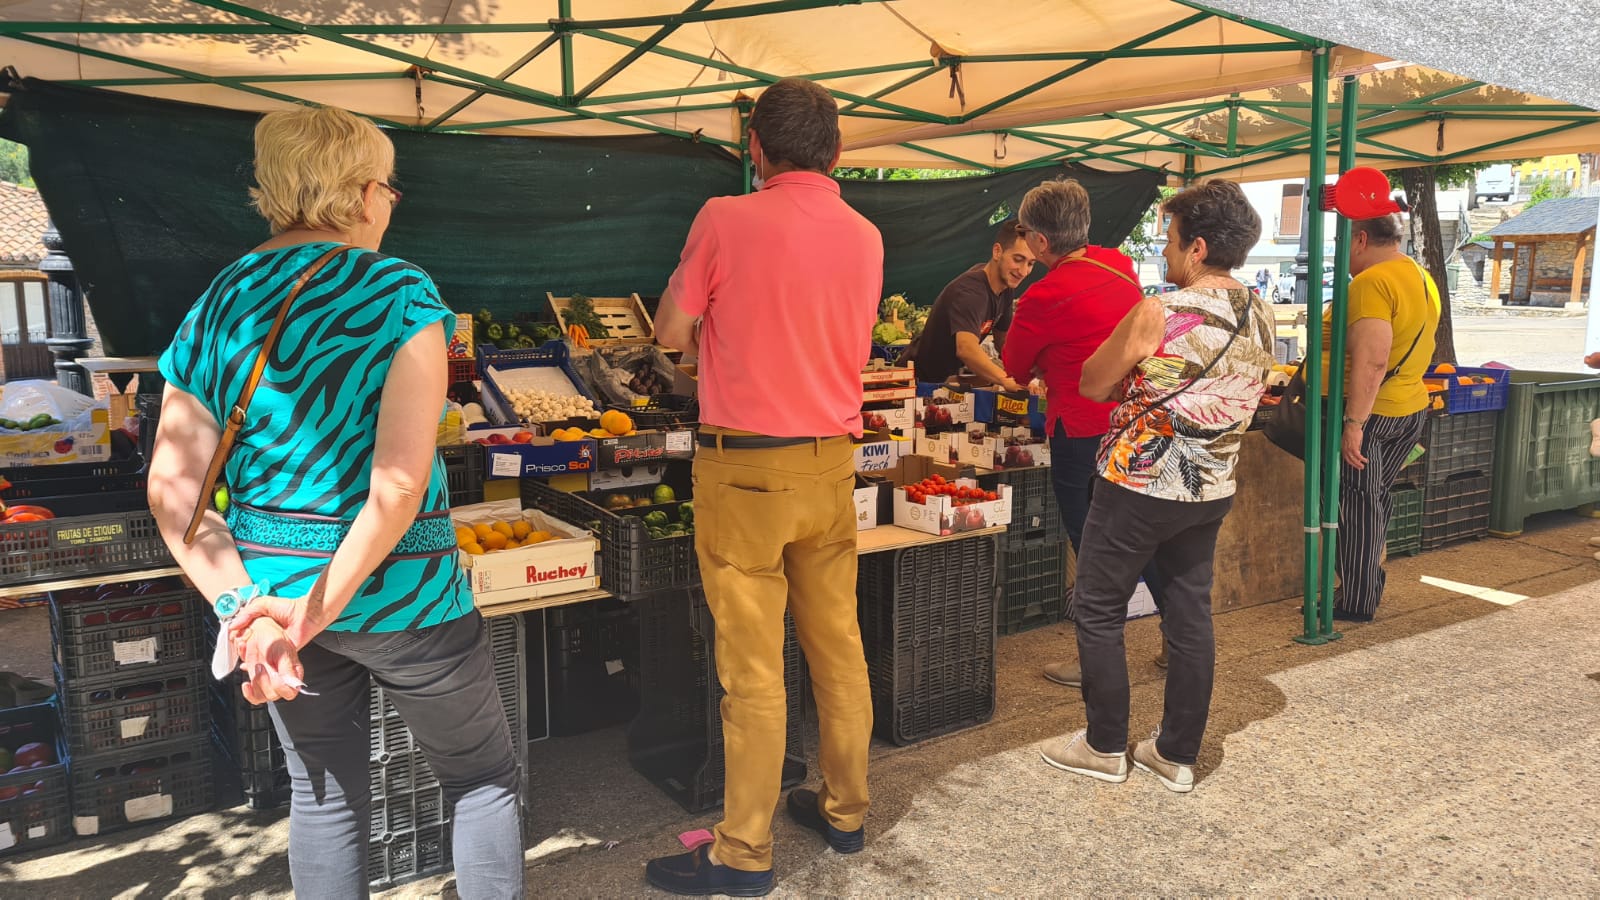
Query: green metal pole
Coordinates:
[564,10]
[1336,369]
[742,108]
[1313,349]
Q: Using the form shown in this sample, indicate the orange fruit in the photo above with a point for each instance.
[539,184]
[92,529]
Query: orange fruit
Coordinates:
[504,529]
[512,545]
[616,422]
[495,541]
[472,549]
[1444,369]
[538,537]
[482,530]
[520,529]
[465,536]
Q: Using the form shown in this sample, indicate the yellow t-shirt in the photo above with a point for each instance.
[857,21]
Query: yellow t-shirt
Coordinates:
[1394,291]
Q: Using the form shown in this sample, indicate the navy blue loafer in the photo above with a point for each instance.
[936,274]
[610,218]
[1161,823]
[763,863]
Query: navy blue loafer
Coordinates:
[803,809]
[693,874]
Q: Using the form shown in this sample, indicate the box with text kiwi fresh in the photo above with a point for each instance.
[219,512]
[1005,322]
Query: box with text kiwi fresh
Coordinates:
[553,557]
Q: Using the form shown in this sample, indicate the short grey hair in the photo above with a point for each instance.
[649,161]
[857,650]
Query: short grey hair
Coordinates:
[1059,211]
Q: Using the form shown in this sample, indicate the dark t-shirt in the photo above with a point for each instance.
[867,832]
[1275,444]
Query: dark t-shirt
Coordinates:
[965,304]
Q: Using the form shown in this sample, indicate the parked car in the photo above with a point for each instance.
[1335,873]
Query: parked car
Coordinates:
[1164,287]
[1496,182]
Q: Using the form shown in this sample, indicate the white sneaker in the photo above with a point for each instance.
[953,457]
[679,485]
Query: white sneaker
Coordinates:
[1175,777]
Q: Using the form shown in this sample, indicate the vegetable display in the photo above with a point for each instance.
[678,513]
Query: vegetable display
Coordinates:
[937,486]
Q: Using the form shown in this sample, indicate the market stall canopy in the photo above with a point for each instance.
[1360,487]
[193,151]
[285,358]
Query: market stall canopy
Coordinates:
[1409,116]
[902,71]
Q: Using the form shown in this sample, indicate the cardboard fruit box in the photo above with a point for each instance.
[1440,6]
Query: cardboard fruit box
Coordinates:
[533,456]
[59,444]
[1008,448]
[563,565]
[945,408]
[940,515]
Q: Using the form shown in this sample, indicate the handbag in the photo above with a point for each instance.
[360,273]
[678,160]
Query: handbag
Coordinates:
[1287,427]
[236,417]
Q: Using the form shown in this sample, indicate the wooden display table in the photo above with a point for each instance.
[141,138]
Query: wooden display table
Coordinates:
[1261,549]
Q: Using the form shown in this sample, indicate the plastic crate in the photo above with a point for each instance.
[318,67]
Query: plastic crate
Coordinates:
[73,478]
[119,790]
[43,815]
[1460,397]
[1405,523]
[553,353]
[664,411]
[1035,514]
[250,743]
[1033,591]
[400,856]
[149,408]
[152,706]
[462,370]
[1455,510]
[463,472]
[1542,460]
[676,739]
[928,623]
[122,635]
[92,534]
[592,665]
[1455,444]
[632,564]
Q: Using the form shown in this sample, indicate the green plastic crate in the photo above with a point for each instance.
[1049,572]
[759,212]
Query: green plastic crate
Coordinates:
[1542,460]
[1405,523]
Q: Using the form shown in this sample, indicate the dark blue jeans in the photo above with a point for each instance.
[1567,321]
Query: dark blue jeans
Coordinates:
[1073,475]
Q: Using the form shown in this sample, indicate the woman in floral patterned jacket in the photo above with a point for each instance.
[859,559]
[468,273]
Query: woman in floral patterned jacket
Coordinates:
[1187,369]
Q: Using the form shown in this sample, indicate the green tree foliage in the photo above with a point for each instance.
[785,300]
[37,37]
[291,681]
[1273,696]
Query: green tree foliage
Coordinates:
[1548,189]
[14,164]
[1142,242]
[850,173]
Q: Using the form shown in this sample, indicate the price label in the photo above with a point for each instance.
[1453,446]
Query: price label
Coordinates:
[134,727]
[7,840]
[152,807]
[680,441]
[505,465]
[86,826]
[38,831]
[129,653]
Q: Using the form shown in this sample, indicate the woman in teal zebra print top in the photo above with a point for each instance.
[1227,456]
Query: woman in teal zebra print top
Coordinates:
[339,516]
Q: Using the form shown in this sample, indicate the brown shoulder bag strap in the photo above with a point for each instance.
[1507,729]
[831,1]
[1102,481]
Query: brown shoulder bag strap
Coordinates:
[230,429]
[1113,270]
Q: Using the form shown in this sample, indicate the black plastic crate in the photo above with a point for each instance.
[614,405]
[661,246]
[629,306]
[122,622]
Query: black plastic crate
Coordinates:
[1405,522]
[632,564]
[149,407]
[117,630]
[115,791]
[1456,444]
[250,744]
[928,624]
[592,665]
[1033,583]
[1034,511]
[154,706]
[399,856]
[463,470]
[1456,510]
[676,739]
[664,411]
[92,534]
[67,479]
[34,807]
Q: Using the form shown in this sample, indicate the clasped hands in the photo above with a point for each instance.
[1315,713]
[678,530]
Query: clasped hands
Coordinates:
[268,634]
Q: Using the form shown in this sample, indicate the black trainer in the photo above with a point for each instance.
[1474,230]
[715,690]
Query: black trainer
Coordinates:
[803,809]
[693,874]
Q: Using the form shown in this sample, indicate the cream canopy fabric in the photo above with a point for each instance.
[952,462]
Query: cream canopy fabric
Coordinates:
[1137,83]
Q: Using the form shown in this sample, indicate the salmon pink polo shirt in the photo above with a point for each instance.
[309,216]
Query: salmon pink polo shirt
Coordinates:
[786,282]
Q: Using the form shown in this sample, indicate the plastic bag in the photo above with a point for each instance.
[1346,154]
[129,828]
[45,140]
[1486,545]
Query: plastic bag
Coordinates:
[29,405]
[620,372]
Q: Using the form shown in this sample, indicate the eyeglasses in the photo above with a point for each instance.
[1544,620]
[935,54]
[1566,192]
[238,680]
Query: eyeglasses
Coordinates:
[394,193]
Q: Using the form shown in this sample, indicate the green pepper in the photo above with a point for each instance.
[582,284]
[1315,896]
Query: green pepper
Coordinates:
[526,341]
[484,317]
[686,512]
[513,331]
[495,331]
[656,519]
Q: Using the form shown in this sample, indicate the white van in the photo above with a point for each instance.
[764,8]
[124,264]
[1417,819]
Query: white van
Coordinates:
[1496,182]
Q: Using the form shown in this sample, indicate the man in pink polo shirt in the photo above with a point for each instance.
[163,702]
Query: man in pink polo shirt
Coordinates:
[777,293]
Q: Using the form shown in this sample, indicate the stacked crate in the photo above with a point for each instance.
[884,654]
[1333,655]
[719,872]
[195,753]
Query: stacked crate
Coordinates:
[131,680]
[1455,476]
[1033,558]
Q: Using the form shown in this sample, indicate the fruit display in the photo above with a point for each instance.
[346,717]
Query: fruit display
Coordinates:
[42,420]
[580,314]
[899,321]
[17,514]
[532,405]
[938,486]
[494,535]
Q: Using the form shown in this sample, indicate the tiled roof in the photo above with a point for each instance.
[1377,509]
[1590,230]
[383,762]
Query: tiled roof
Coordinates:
[22,223]
[1569,215]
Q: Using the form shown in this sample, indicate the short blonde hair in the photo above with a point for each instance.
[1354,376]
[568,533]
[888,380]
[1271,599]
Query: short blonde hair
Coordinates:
[312,164]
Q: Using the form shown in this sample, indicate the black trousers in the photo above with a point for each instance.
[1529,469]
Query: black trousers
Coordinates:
[1365,504]
[1072,475]
[1125,531]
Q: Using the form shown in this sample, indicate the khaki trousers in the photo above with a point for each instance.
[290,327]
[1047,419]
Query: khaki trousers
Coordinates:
[775,528]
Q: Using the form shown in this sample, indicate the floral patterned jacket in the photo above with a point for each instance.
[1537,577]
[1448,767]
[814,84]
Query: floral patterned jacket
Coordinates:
[1186,448]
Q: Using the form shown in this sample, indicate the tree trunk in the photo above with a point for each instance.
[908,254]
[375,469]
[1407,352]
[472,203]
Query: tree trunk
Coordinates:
[1421,186]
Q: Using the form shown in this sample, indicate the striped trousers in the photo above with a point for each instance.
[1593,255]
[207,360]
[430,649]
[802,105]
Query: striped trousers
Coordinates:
[1364,508]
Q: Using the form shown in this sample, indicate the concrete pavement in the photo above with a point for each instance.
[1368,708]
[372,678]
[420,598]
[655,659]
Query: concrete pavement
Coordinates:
[1446,748]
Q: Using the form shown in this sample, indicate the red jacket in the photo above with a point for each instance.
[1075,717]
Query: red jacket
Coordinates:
[1062,320]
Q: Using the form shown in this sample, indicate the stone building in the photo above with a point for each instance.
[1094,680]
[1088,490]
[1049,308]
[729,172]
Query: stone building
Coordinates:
[1545,255]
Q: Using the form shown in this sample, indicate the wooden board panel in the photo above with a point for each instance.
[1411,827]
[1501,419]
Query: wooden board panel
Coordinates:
[1261,550]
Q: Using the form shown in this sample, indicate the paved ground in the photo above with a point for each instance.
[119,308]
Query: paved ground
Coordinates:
[1445,749]
[1543,340]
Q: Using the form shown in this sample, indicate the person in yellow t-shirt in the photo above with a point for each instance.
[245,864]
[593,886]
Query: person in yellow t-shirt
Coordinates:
[1393,313]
